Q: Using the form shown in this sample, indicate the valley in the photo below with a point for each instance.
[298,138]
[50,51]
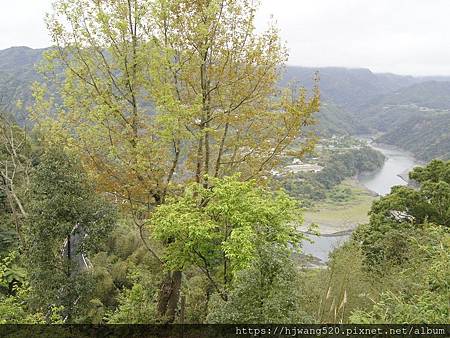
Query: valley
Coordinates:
[173,193]
[411,113]
[335,220]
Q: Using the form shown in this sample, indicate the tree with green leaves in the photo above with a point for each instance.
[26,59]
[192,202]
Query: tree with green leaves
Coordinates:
[403,212]
[405,249]
[156,94]
[265,292]
[418,291]
[61,198]
[225,229]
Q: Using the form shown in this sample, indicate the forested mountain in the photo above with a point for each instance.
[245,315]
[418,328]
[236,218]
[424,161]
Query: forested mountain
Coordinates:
[354,101]
[334,120]
[348,88]
[17,73]
[427,136]
[430,94]
[415,118]
[20,61]
[419,100]
[411,112]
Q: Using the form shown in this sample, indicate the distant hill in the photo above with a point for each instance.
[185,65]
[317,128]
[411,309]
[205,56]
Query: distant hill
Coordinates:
[415,118]
[354,101]
[412,113]
[20,61]
[386,112]
[426,136]
[430,94]
[344,91]
[348,88]
[17,73]
[334,120]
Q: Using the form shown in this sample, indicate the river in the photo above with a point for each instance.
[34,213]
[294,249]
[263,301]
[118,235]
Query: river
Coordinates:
[397,163]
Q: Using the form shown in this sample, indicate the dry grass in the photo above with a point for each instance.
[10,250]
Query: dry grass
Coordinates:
[338,216]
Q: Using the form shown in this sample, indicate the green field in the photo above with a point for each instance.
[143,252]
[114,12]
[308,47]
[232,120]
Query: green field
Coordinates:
[334,216]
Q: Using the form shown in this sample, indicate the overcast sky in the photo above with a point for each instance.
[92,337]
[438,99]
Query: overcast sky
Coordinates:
[398,36]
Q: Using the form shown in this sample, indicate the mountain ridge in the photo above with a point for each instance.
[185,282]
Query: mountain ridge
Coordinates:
[354,100]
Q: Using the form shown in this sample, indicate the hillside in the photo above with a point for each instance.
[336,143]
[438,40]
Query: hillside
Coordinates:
[334,120]
[20,61]
[17,73]
[348,88]
[344,91]
[415,118]
[427,135]
[422,96]
[354,101]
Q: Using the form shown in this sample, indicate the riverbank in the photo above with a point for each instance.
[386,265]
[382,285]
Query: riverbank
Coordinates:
[334,217]
[394,171]
[336,220]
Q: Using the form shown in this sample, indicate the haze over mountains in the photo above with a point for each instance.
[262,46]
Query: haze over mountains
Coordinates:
[410,112]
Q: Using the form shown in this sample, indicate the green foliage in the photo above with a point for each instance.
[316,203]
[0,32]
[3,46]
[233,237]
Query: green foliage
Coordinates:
[405,213]
[144,120]
[406,248]
[12,274]
[137,305]
[8,234]
[332,294]
[118,272]
[303,186]
[61,197]
[221,229]
[419,290]
[435,171]
[14,294]
[265,292]
[341,165]
[197,293]
[14,309]
[340,194]
[338,165]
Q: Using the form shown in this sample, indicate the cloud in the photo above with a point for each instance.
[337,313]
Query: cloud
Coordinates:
[399,36]
[22,23]
[403,36]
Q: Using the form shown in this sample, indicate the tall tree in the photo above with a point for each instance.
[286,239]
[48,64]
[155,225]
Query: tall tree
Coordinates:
[218,82]
[157,93]
[158,89]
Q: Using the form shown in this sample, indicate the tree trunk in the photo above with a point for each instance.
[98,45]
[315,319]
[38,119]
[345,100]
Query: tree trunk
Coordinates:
[169,295]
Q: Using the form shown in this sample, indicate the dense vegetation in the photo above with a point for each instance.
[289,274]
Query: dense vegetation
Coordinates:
[151,119]
[144,194]
[415,118]
[427,136]
[396,268]
[236,254]
[338,165]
